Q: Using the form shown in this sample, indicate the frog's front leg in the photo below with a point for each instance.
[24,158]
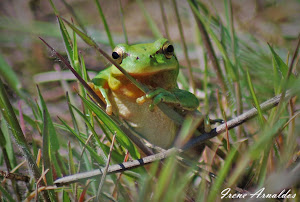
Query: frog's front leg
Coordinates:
[180,98]
[102,93]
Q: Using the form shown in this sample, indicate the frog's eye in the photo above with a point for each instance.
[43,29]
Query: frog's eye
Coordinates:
[168,50]
[117,55]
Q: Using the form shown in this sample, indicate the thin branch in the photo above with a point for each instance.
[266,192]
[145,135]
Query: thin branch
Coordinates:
[164,154]
[116,168]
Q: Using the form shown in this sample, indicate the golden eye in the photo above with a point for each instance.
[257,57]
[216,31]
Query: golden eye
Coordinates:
[168,50]
[117,55]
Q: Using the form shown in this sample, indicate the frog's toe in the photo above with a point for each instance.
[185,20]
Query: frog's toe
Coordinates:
[156,100]
[109,109]
[141,100]
[166,98]
[151,107]
[155,92]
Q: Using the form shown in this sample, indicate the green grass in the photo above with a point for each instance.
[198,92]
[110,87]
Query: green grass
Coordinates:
[244,73]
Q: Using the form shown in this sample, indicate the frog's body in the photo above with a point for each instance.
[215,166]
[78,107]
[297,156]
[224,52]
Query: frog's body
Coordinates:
[155,66]
[154,125]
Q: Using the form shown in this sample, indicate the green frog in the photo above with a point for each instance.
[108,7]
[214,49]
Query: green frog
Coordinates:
[156,66]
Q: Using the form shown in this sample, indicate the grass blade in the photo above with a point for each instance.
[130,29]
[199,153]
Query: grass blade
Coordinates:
[123,22]
[95,136]
[74,121]
[120,135]
[150,21]
[46,153]
[8,145]
[105,169]
[208,45]
[257,106]
[255,151]
[6,194]
[112,45]
[66,39]
[51,130]
[53,6]
[72,169]
[9,75]
[282,68]
[11,119]
[184,46]
[93,153]
[223,173]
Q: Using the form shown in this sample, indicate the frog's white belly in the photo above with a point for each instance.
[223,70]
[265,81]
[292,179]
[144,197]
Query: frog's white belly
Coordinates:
[154,126]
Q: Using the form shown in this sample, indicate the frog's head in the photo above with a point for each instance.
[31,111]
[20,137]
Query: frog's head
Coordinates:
[145,59]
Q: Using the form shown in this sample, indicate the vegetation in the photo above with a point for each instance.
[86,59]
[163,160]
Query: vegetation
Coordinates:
[230,73]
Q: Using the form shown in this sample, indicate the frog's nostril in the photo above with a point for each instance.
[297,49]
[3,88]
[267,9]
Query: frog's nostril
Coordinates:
[151,56]
[137,58]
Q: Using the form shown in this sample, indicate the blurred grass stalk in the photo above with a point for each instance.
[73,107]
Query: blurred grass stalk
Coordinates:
[239,161]
[9,75]
[111,42]
[184,47]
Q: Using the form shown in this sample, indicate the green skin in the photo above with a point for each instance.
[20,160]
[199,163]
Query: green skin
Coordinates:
[147,61]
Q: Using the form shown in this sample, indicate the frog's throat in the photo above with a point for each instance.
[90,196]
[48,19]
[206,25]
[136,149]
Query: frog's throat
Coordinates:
[163,79]
[145,71]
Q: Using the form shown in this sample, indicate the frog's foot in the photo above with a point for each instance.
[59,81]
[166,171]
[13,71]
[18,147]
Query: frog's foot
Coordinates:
[158,95]
[207,123]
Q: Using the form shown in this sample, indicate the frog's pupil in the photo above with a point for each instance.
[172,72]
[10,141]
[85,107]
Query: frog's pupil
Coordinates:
[170,49]
[115,55]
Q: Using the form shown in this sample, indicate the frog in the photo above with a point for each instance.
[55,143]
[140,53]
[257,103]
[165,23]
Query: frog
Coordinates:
[155,65]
